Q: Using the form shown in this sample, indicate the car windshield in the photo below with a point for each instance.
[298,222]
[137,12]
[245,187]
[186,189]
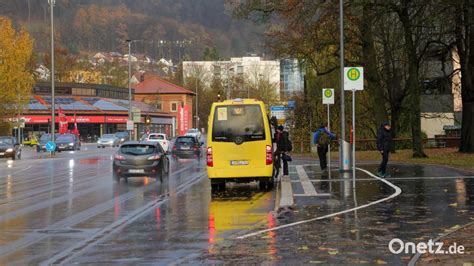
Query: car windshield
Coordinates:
[157,137]
[121,134]
[193,131]
[137,149]
[233,121]
[65,138]
[45,137]
[184,140]
[108,136]
[6,141]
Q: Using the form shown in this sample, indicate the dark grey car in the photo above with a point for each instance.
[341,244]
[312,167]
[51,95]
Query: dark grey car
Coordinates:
[136,158]
[9,148]
[186,147]
[67,142]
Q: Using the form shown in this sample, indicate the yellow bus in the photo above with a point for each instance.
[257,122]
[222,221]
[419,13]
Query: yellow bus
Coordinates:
[239,144]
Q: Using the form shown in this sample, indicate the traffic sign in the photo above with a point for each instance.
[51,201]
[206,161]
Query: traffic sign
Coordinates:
[292,104]
[136,115]
[353,78]
[328,96]
[50,146]
[129,124]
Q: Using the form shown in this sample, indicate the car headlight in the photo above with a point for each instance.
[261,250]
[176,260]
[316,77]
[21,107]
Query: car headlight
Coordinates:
[122,139]
[9,150]
[71,144]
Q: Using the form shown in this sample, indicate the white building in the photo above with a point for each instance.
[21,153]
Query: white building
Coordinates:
[441,104]
[251,69]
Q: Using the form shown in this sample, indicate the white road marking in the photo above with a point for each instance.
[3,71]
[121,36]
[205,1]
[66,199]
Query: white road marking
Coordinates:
[392,178]
[397,192]
[286,192]
[305,182]
[317,195]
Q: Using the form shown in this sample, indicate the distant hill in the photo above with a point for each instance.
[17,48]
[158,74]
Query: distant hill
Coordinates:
[169,28]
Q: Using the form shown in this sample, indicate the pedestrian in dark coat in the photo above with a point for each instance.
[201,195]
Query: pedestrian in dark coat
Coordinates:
[384,145]
[281,138]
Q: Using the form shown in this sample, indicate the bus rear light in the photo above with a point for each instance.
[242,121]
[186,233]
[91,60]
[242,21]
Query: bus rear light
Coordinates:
[210,161]
[269,155]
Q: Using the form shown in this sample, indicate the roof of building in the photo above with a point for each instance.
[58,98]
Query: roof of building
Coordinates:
[155,85]
[88,104]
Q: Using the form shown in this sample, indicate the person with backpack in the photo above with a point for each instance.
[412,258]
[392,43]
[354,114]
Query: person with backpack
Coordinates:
[322,138]
[284,145]
[384,145]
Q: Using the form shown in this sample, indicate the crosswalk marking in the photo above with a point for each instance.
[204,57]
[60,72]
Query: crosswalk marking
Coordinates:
[308,187]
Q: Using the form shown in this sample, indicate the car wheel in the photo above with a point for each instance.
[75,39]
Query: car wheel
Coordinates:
[14,156]
[159,175]
[116,177]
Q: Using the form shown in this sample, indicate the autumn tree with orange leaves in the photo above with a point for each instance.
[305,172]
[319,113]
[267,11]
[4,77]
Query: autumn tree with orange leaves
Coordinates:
[16,81]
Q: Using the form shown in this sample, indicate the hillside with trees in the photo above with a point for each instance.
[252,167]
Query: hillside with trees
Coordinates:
[174,29]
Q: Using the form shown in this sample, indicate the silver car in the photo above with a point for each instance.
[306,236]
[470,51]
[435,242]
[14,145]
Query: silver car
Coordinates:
[108,140]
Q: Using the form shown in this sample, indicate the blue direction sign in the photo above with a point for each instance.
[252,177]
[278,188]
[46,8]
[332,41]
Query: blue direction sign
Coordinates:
[279,108]
[50,146]
[292,104]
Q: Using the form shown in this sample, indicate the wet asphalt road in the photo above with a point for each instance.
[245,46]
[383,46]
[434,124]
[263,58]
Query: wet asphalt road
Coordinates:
[68,210]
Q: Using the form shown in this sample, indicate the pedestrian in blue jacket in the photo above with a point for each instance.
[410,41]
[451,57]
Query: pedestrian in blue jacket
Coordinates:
[322,138]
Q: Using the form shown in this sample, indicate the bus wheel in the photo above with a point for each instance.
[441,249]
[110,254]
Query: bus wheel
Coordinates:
[217,185]
[266,184]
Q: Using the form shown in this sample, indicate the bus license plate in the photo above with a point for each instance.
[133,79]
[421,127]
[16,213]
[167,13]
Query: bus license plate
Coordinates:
[239,162]
[136,171]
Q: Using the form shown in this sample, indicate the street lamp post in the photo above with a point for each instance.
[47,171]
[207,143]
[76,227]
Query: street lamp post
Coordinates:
[53,105]
[129,42]
[197,104]
[129,85]
[343,117]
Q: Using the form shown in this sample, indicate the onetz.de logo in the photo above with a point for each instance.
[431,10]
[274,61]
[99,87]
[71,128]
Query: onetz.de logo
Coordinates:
[398,246]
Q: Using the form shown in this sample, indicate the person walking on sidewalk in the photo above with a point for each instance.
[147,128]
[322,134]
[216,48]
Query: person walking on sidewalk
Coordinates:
[322,138]
[384,145]
[284,145]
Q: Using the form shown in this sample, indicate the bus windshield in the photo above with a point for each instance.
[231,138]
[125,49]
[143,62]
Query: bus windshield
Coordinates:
[231,121]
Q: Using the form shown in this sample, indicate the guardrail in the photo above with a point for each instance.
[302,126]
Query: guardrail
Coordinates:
[400,143]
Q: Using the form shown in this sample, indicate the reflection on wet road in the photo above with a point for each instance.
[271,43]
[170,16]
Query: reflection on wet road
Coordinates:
[68,210]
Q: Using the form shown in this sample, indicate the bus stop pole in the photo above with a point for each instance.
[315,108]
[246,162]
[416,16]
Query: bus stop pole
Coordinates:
[329,146]
[353,139]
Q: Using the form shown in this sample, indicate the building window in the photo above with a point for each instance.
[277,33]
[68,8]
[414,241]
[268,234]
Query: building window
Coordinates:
[174,107]
[240,70]
[159,106]
[217,70]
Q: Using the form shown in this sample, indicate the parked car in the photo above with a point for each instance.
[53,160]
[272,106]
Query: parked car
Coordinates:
[140,159]
[157,137]
[9,148]
[67,142]
[194,132]
[186,147]
[108,140]
[44,139]
[122,136]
